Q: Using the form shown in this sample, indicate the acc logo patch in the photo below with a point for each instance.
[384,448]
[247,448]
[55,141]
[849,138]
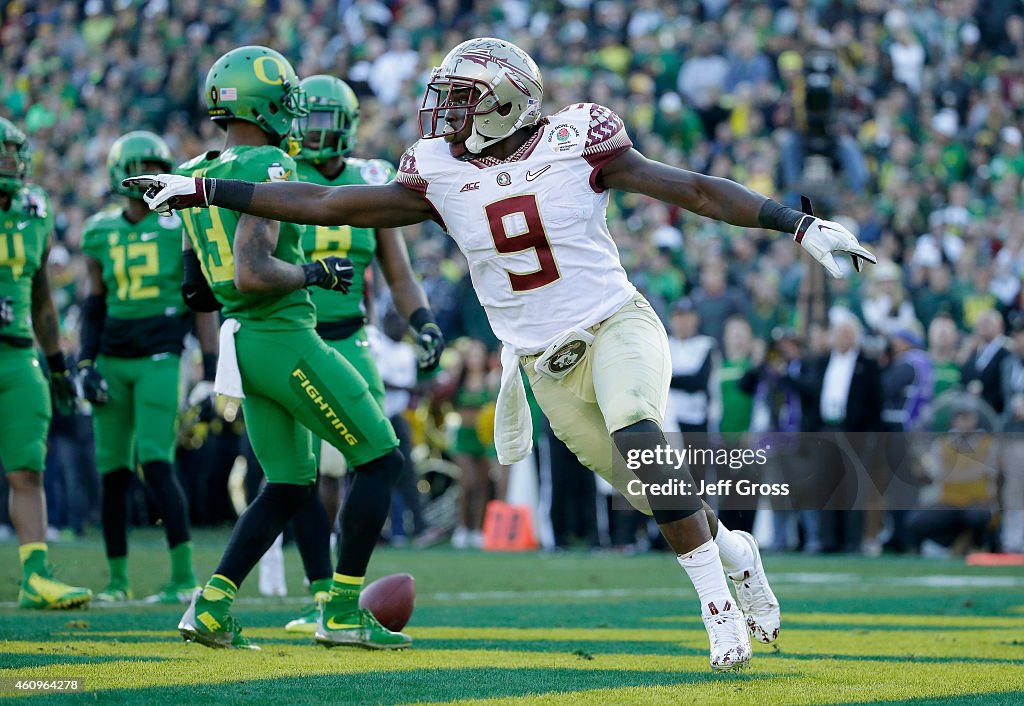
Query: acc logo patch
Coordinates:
[563,138]
[277,172]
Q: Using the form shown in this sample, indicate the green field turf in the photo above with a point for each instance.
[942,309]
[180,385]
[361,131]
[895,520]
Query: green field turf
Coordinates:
[535,628]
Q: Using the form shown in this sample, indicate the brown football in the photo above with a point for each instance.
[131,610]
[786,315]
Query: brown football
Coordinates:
[390,599]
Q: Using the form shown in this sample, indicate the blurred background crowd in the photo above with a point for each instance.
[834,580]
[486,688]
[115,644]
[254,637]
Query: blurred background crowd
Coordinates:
[900,118]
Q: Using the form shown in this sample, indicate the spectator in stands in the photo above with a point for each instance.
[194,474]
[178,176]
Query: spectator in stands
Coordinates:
[841,392]
[956,508]
[983,371]
[942,347]
[715,301]
[1012,442]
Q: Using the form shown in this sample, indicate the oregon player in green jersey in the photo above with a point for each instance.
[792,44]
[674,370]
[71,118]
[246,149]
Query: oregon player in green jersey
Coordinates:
[329,138]
[25,403]
[133,325]
[291,381]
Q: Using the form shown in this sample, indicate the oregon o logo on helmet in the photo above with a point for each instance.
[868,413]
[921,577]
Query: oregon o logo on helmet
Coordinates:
[279,71]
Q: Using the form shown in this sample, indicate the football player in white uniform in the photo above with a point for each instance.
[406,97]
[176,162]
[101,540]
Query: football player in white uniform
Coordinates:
[524,196]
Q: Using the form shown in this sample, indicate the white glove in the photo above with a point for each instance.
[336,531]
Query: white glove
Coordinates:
[823,238]
[167,192]
[203,390]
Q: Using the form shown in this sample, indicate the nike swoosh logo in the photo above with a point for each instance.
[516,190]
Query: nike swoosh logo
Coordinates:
[341,626]
[146,237]
[828,228]
[23,225]
[530,176]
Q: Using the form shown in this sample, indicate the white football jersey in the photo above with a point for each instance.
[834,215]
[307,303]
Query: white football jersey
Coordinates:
[533,226]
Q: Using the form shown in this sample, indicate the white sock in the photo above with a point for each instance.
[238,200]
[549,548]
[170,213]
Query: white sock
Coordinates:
[704,567]
[735,553]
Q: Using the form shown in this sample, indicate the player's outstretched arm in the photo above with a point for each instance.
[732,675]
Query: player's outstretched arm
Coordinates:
[386,206]
[720,199]
[725,200]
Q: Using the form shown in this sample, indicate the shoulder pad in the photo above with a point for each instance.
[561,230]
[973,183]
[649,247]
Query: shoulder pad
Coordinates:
[277,164]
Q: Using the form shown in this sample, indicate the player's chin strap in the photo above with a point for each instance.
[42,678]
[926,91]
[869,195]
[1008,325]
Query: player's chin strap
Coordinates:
[477,143]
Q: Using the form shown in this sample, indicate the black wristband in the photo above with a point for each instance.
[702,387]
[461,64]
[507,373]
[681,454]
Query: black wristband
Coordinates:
[774,216]
[421,317]
[232,194]
[56,363]
[209,366]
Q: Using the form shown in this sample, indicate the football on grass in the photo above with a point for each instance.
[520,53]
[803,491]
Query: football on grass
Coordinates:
[390,599]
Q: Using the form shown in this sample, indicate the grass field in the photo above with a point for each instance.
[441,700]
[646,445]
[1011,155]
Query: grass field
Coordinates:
[536,628]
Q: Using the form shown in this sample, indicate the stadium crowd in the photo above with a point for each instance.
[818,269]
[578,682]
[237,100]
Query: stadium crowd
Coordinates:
[912,137]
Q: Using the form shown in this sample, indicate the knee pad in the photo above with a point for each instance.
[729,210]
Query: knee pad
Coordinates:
[287,495]
[118,479]
[155,473]
[386,468]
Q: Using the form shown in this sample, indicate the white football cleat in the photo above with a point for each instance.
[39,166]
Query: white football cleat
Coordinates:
[755,597]
[730,643]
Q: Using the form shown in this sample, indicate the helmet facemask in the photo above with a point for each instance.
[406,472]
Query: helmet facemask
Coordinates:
[329,133]
[13,165]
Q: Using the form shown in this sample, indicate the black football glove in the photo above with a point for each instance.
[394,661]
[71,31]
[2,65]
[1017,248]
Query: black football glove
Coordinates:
[429,338]
[431,343]
[203,399]
[6,311]
[62,386]
[94,387]
[333,273]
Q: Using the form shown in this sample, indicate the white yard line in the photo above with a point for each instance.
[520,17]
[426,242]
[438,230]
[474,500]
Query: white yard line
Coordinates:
[779,579]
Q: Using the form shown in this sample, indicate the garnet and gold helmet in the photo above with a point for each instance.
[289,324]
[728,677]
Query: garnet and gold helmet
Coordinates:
[504,93]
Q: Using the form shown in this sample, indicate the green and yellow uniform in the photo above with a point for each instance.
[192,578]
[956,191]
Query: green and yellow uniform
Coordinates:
[341,317]
[24,392]
[293,382]
[141,339]
[466,438]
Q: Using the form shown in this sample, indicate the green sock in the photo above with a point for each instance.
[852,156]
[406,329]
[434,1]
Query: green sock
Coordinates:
[33,559]
[345,591]
[181,564]
[118,570]
[320,586]
[219,590]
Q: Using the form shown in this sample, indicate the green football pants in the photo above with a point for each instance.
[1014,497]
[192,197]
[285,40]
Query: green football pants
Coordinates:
[356,350]
[295,384]
[138,424]
[25,410]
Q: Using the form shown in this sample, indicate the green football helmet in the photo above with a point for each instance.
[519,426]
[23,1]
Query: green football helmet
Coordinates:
[258,85]
[129,152]
[14,157]
[333,119]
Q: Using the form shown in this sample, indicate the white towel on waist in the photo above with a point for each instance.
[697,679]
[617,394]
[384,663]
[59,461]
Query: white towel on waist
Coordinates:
[513,424]
[229,379]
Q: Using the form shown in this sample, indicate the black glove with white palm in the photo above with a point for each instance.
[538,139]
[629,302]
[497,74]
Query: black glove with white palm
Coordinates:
[822,239]
[429,339]
[166,192]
